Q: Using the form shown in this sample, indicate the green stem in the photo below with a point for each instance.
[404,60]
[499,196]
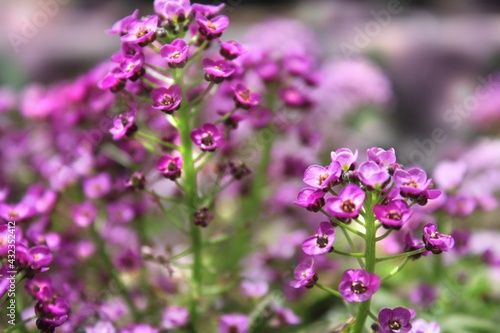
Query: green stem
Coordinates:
[401,255]
[396,270]
[328,290]
[226,116]
[348,254]
[191,196]
[370,261]
[114,274]
[200,97]
[384,235]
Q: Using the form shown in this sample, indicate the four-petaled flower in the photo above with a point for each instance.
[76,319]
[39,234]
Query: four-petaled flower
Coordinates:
[435,241]
[323,178]
[394,214]
[395,320]
[321,242]
[348,204]
[175,53]
[244,98]
[207,137]
[305,275]
[170,167]
[212,28]
[167,99]
[358,285]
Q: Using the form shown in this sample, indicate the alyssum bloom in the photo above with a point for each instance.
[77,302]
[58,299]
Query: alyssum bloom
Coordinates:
[305,275]
[348,204]
[394,214]
[394,320]
[175,53]
[311,199]
[358,285]
[167,99]
[170,167]
[435,241]
[321,242]
[207,137]
[323,178]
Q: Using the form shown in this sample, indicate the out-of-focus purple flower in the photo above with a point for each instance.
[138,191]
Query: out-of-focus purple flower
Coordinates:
[254,289]
[413,244]
[283,316]
[142,31]
[294,98]
[347,204]
[207,137]
[382,157]
[267,70]
[7,99]
[357,285]
[212,28]
[167,99]
[434,240]
[394,214]
[460,205]
[462,239]
[244,98]
[373,176]
[101,327]
[124,125]
[233,323]
[173,10]
[414,183]
[15,212]
[345,157]
[321,242]
[323,178]
[202,217]
[305,275]
[230,49]
[52,314]
[217,70]
[311,199]
[40,288]
[421,326]
[424,295]
[41,257]
[174,316]
[111,81]
[120,211]
[395,320]
[207,10]
[298,64]
[175,53]
[84,214]
[97,186]
[121,26]
[169,166]
[449,175]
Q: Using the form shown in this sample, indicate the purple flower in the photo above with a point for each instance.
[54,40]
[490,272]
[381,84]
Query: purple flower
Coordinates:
[84,214]
[112,82]
[347,204]
[170,167]
[460,205]
[212,28]
[121,26]
[435,241]
[37,258]
[321,242]
[124,125]
[394,214]
[230,49]
[131,67]
[173,10]
[167,99]
[175,53]
[449,175]
[233,323]
[142,31]
[254,289]
[394,320]
[52,314]
[311,199]
[40,288]
[136,182]
[373,176]
[414,183]
[217,70]
[358,285]
[297,64]
[174,316]
[382,157]
[207,10]
[413,244]
[323,178]
[15,212]
[244,98]
[207,137]
[267,70]
[424,295]
[294,98]
[97,186]
[421,326]
[305,275]
[345,157]
[202,217]
[283,316]
[140,328]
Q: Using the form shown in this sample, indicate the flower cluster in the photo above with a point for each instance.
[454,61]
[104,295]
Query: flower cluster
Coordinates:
[360,198]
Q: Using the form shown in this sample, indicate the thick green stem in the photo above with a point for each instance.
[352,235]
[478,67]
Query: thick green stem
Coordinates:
[191,197]
[370,260]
